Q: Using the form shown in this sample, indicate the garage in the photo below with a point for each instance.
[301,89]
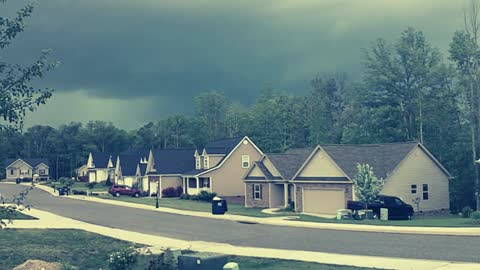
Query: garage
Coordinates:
[323,201]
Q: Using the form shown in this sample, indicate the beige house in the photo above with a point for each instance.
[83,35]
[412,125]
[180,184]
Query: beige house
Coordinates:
[100,167]
[319,180]
[29,168]
[220,167]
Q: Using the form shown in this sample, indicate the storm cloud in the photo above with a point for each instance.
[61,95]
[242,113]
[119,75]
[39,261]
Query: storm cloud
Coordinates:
[134,61]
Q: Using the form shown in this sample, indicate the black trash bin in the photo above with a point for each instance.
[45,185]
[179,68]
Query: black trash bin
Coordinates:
[62,191]
[219,206]
[18,180]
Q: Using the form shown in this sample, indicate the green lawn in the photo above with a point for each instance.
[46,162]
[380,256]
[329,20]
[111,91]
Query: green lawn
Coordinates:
[451,221]
[233,208]
[17,215]
[247,263]
[89,251]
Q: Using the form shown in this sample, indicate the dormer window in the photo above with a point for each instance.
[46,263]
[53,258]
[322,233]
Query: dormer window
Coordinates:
[197,163]
[205,162]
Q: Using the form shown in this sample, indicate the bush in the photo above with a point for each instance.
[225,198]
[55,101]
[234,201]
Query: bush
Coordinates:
[184,197]
[123,259]
[108,183]
[467,211]
[79,192]
[66,182]
[91,185]
[179,191]
[206,196]
[169,192]
[475,215]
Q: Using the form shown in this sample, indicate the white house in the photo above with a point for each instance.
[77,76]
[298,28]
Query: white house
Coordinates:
[100,167]
[28,168]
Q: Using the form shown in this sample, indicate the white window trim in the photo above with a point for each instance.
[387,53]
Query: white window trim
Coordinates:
[412,189]
[206,162]
[245,159]
[425,191]
[255,192]
[197,163]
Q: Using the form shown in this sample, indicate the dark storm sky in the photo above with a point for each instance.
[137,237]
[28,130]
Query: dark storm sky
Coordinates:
[133,61]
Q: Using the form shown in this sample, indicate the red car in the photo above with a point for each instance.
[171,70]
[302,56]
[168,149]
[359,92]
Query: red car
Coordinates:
[117,190]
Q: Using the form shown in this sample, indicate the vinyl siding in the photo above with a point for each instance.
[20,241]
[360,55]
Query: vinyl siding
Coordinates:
[418,169]
[320,165]
[42,167]
[19,166]
[214,160]
[256,172]
[269,165]
[228,179]
[171,181]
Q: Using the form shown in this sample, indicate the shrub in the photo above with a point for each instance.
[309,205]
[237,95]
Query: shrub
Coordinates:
[467,211]
[169,192]
[206,196]
[108,183]
[475,215]
[185,197]
[179,191]
[123,259]
[66,182]
[90,185]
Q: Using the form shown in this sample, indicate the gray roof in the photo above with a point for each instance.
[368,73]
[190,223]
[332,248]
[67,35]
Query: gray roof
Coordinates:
[34,162]
[129,162]
[288,164]
[173,161]
[224,146]
[384,158]
[100,160]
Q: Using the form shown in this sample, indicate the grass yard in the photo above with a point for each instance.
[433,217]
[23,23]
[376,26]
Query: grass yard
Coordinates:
[17,215]
[250,263]
[88,251]
[233,208]
[451,221]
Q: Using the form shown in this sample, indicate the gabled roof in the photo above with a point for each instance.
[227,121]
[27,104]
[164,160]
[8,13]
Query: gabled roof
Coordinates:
[143,168]
[224,146]
[33,162]
[129,162]
[288,164]
[173,161]
[100,160]
[384,158]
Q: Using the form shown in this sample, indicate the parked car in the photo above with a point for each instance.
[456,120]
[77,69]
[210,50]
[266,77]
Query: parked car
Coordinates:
[117,190]
[397,209]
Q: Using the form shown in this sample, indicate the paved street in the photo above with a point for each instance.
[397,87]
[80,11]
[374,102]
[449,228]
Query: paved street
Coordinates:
[454,248]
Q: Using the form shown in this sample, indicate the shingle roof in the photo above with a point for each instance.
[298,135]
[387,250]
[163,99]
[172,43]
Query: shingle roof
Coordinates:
[224,146]
[100,160]
[129,162]
[384,158]
[143,169]
[174,161]
[288,164]
[30,161]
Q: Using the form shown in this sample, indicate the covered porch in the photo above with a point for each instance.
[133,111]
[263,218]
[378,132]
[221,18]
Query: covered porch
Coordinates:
[280,195]
[193,185]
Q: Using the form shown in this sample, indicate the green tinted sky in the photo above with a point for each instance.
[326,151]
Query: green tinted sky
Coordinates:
[134,61]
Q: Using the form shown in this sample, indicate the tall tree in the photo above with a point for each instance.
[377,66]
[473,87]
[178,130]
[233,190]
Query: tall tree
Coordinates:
[17,94]
[211,108]
[465,52]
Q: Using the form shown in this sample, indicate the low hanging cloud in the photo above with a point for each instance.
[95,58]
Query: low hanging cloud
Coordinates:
[166,52]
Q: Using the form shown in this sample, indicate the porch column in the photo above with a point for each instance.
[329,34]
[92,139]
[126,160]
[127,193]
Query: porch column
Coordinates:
[285,195]
[198,184]
[184,185]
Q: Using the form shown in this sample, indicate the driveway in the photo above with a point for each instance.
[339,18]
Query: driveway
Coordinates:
[452,248]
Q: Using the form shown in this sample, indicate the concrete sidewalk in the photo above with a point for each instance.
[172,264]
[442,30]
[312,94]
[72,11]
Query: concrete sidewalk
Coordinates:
[284,220]
[51,221]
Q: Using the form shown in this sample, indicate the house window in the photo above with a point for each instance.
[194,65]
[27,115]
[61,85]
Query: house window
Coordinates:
[12,172]
[197,163]
[192,183]
[205,162]
[245,161]
[413,189]
[205,182]
[257,191]
[41,172]
[425,192]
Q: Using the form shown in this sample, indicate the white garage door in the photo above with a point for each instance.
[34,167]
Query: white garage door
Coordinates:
[323,201]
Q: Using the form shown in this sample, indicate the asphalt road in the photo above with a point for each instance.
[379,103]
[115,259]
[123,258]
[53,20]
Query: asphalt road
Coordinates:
[450,248]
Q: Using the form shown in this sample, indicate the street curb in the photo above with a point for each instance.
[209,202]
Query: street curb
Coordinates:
[288,222]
